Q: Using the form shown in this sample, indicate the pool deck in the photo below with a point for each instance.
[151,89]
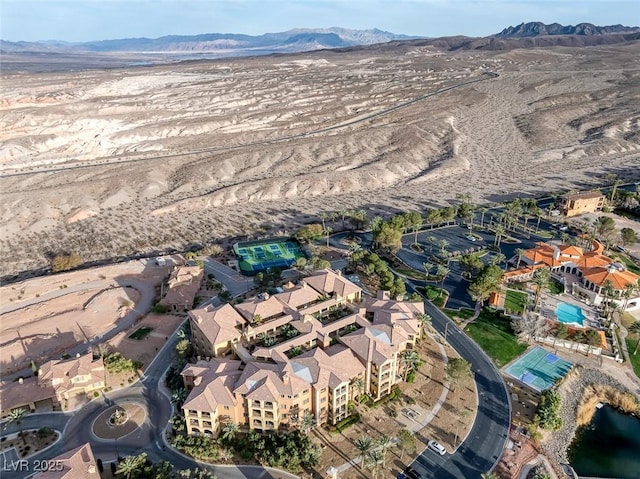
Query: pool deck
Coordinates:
[549,303]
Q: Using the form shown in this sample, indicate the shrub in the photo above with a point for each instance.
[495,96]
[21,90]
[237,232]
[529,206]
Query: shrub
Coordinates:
[547,413]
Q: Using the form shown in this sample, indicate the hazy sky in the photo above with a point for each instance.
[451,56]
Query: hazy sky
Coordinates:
[84,20]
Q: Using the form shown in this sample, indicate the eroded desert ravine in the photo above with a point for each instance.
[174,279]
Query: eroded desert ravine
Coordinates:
[553,120]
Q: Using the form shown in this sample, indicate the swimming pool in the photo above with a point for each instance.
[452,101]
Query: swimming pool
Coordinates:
[569,314]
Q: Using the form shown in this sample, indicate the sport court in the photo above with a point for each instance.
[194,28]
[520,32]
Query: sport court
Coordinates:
[257,256]
[539,369]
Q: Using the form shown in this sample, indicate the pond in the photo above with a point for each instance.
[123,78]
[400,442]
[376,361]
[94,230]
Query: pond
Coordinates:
[608,447]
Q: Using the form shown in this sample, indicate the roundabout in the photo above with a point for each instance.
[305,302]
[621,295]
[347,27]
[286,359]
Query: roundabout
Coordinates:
[119,420]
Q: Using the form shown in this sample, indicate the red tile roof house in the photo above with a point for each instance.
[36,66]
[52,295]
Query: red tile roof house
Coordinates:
[182,287]
[342,346]
[593,270]
[78,463]
[57,381]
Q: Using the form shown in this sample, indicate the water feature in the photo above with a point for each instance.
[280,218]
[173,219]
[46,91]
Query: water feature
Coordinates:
[608,447]
[569,314]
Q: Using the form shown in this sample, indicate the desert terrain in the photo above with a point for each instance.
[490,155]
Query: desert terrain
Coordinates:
[113,161]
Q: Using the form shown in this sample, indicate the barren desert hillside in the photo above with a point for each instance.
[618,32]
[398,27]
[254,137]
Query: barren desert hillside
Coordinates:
[109,162]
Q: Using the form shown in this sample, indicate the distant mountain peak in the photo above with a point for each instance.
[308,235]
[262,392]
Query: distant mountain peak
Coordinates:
[536,29]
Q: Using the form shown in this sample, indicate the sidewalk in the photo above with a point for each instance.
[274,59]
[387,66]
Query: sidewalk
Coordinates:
[413,425]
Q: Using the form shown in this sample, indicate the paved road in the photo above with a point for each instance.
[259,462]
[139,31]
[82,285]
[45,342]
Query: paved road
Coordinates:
[485,443]
[149,392]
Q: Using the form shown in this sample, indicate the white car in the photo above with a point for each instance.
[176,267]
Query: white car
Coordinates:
[437,447]
[471,238]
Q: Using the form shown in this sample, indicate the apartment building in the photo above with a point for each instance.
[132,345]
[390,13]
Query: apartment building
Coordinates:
[580,203]
[303,354]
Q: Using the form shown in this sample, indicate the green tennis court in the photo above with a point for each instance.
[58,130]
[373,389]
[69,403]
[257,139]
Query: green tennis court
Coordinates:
[256,256]
[539,369]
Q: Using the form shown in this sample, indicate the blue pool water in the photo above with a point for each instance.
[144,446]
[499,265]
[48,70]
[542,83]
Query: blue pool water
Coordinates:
[569,314]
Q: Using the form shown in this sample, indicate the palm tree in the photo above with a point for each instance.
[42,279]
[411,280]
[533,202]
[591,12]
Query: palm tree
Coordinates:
[442,273]
[483,210]
[375,462]
[132,466]
[343,214]
[410,361]
[363,444]
[384,443]
[541,279]
[489,475]
[358,386]
[423,320]
[323,217]
[230,430]
[443,247]
[499,231]
[16,416]
[520,253]
[431,240]
[179,396]
[635,328]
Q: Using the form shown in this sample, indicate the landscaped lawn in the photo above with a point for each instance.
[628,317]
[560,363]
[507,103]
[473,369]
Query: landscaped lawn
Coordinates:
[140,333]
[464,313]
[434,294]
[515,301]
[635,360]
[556,287]
[494,335]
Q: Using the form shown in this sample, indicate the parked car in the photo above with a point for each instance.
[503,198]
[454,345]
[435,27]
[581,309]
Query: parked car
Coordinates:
[437,447]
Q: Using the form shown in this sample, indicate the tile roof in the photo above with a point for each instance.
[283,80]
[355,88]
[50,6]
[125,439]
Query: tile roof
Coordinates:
[184,284]
[78,463]
[219,324]
[619,278]
[327,281]
[298,296]
[14,394]
[214,381]
[266,308]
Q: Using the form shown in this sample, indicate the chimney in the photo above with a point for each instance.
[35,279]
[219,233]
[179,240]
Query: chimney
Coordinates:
[77,355]
[20,381]
[285,377]
[265,296]
[339,272]
[303,283]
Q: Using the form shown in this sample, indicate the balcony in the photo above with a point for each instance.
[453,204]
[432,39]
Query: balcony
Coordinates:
[256,404]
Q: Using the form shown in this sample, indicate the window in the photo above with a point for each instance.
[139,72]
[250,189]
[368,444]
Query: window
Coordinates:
[226,408]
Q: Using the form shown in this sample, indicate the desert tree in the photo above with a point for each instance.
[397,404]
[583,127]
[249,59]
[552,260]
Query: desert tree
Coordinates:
[457,369]
[406,442]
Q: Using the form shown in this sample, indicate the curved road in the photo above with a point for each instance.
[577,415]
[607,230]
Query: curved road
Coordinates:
[148,391]
[484,445]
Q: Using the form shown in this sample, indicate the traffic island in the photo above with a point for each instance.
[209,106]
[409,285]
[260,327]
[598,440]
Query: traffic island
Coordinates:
[119,420]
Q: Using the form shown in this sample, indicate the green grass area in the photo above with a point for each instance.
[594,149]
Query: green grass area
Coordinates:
[544,234]
[140,333]
[635,359]
[627,319]
[515,301]
[556,287]
[409,272]
[463,313]
[631,266]
[434,294]
[492,331]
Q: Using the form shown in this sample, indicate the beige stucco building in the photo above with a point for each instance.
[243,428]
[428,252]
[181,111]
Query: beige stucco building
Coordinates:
[580,203]
[307,351]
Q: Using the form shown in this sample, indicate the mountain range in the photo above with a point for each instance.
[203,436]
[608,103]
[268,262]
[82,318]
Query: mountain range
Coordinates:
[532,34]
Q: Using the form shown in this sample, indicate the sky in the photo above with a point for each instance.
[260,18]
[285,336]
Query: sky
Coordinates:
[86,20]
